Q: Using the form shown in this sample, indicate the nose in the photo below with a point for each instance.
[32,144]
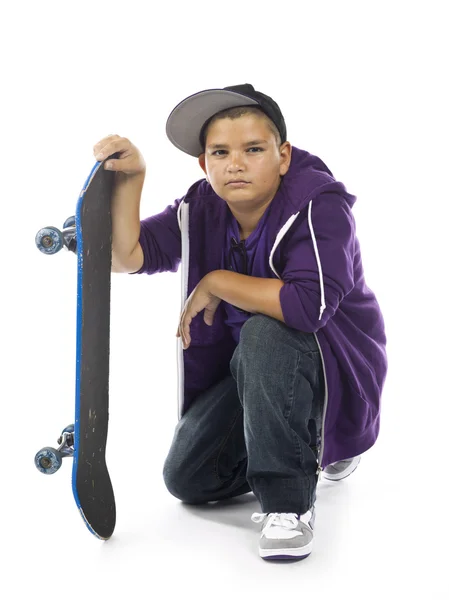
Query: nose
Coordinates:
[235,162]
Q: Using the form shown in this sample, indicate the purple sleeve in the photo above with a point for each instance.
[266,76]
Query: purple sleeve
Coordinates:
[300,297]
[160,239]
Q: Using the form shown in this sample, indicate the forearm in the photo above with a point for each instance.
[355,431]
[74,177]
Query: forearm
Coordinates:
[253,294]
[125,209]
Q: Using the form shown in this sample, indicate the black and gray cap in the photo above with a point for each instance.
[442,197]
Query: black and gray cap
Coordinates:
[188,120]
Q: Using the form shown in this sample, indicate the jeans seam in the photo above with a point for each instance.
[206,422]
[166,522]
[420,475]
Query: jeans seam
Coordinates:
[220,449]
[306,478]
[288,410]
[314,354]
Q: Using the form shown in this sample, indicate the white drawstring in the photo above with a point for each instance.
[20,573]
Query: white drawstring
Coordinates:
[279,237]
[312,232]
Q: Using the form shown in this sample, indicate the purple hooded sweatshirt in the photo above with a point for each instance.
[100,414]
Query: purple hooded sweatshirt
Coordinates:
[307,238]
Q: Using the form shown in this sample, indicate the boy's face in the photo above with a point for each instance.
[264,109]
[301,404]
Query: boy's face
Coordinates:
[260,164]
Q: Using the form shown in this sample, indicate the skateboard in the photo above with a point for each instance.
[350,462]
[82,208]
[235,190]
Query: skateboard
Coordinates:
[88,234]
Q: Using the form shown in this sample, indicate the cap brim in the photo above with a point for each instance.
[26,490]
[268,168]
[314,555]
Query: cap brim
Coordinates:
[187,118]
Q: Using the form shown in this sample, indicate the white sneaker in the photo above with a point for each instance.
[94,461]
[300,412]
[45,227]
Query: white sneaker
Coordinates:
[285,535]
[341,469]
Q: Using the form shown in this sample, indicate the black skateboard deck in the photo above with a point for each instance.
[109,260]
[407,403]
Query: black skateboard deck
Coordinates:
[89,234]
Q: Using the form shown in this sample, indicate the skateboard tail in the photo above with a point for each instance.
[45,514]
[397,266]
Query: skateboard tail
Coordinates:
[89,527]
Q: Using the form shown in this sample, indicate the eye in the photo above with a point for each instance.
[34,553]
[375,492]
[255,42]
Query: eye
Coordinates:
[252,148]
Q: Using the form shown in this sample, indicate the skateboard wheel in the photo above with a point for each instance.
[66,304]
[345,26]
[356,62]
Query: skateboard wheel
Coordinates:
[49,240]
[68,429]
[48,460]
[70,222]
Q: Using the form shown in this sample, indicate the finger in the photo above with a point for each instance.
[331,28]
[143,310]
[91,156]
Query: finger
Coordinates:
[107,138]
[186,332]
[183,336]
[180,332]
[186,324]
[119,164]
[104,141]
[209,315]
[121,145]
[183,342]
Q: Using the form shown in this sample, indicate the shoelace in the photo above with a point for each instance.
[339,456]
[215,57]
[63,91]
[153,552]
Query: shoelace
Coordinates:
[287,520]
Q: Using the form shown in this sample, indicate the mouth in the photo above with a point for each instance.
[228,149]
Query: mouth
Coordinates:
[237,183]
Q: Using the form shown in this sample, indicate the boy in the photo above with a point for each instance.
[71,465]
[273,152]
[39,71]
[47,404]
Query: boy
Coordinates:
[282,375]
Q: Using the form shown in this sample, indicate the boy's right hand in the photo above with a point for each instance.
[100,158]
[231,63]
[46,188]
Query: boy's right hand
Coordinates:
[130,161]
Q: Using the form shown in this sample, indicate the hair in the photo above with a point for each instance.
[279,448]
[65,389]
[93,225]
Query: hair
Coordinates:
[236,113]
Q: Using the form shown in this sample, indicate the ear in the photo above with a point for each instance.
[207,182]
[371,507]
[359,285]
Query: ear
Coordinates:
[202,163]
[286,157]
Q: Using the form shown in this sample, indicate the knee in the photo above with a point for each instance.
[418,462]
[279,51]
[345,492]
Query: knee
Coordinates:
[268,346]
[256,329]
[258,336]
[178,482]
[255,344]
[261,334]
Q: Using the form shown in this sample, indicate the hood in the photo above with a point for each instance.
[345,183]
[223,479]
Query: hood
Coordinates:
[307,177]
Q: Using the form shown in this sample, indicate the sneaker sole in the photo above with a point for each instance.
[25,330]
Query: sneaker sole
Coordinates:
[348,471]
[286,553]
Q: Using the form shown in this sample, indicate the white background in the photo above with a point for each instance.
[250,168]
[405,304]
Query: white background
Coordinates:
[362,86]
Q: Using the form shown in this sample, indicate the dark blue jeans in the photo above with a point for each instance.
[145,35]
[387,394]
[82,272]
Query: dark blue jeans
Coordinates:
[259,429]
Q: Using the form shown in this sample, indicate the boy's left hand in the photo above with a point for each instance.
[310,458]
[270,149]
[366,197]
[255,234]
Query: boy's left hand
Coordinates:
[201,298]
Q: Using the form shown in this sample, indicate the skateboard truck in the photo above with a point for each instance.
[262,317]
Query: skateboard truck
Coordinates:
[48,460]
[51,240]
